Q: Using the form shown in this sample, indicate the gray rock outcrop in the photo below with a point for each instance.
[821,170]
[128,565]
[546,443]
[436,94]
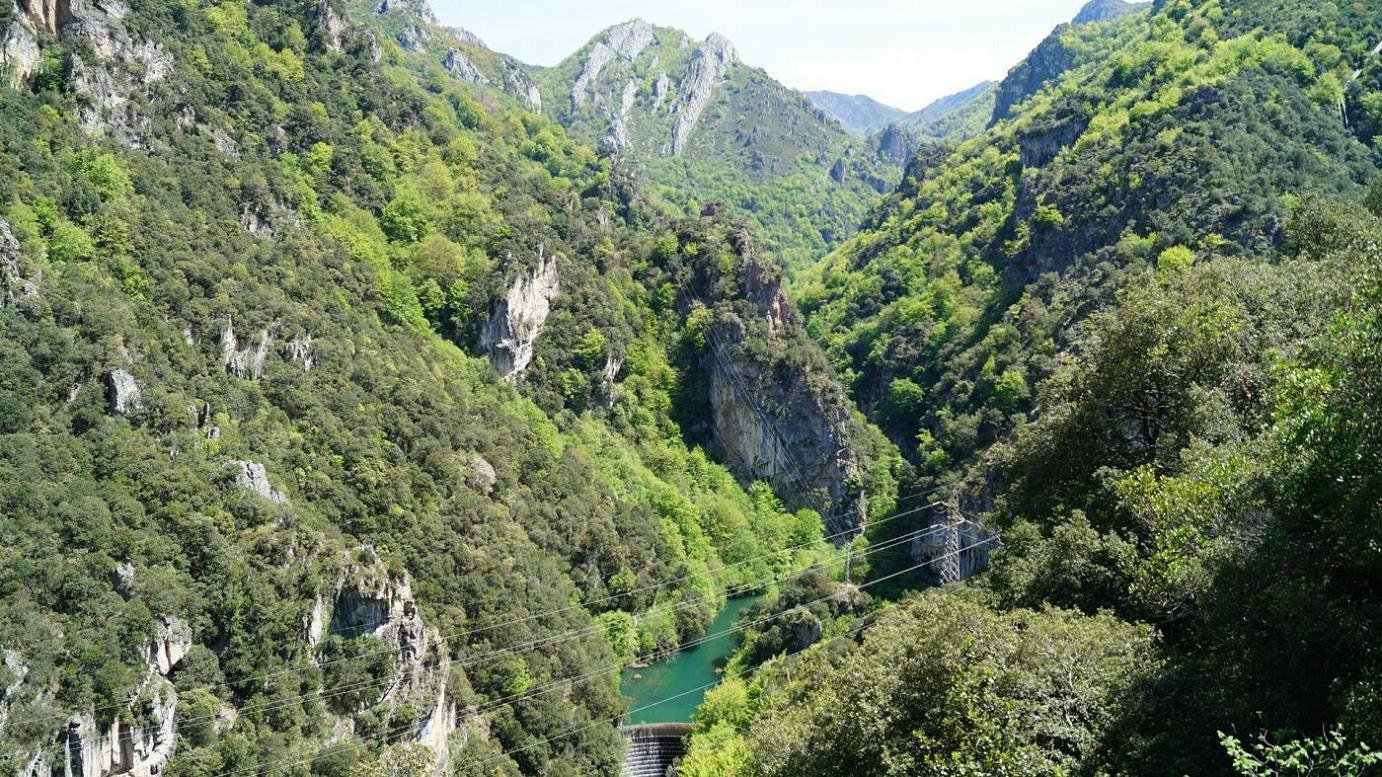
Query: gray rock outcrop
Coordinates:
[631,38]
[518,81]
[624,41]
[327,26]
[512,331]
[709,67]
[302,352]
[414,38]
[19,54]
[785,425]
[118,68]
[143,747]
[171,640]
[18,671]
[13,286]
[618,137]
[1046,63]
[457,63]
[662,88]
[37,766]
[480,474]
[254,478]
[245,363]
[123,395]
[49,16]
[370,602]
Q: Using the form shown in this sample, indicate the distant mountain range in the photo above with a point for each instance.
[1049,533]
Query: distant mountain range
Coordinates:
[865,116]
[860,114]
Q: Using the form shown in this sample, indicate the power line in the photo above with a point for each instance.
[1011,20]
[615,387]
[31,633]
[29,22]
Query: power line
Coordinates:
[444,638]
[588,631]
[413,724]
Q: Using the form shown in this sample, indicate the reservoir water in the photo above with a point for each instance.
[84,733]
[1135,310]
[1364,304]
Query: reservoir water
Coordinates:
[678,674]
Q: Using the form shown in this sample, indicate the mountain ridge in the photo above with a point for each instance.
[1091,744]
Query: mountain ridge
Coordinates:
[859,113]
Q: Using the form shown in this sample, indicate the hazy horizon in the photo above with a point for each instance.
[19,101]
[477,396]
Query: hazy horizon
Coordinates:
[903,54]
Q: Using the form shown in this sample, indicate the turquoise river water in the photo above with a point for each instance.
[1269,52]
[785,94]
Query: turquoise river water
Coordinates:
[682,673]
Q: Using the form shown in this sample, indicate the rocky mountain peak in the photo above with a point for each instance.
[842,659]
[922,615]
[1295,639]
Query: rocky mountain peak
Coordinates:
[630,39]
[1106,10]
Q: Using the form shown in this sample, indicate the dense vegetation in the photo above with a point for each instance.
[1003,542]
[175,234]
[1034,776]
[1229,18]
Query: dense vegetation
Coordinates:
[1137,323]
[290,246]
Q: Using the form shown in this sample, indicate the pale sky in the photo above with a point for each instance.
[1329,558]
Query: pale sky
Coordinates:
[902,52]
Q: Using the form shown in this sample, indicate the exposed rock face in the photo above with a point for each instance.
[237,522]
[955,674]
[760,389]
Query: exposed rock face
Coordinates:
[418,9]
[466,36]
[141,748]
[47,15]
[37,766]
[170,643]
[252,477]
[301,352]
[1107,10]
[328,28]
[619,123]
[481,475]
[122,392]
[600,55]
[456,62]
[785,426]
[247,363]
[1040,143]
[1050,58]
[709,65]
[14,664]
[125,748]
[893,145]
[12,283]
[370,602]
[510,334]
[414,38]
[630,39]
[1045,64]
[314,623]
[625,41]
[121,67]
[608,376]
[662,88]
[518,82]
[19,54]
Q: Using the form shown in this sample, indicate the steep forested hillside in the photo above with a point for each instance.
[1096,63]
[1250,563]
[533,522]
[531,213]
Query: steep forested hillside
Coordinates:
[1135,323]
[342,406]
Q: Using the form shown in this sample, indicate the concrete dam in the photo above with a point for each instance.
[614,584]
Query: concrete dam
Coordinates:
[653,748]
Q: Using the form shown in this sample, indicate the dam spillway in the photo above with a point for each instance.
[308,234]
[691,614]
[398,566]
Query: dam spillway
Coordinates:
[653,748]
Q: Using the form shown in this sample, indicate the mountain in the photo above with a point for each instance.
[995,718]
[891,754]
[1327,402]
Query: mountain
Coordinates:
[1059,52]
[705,127]
[860,114]
[351,409]
[947,105]
[1132,327]
[1108,10]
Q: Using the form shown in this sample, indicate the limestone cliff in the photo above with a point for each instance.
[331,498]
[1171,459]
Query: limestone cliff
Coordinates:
[137,739]
[512,331]
[371,602]
[774,410]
